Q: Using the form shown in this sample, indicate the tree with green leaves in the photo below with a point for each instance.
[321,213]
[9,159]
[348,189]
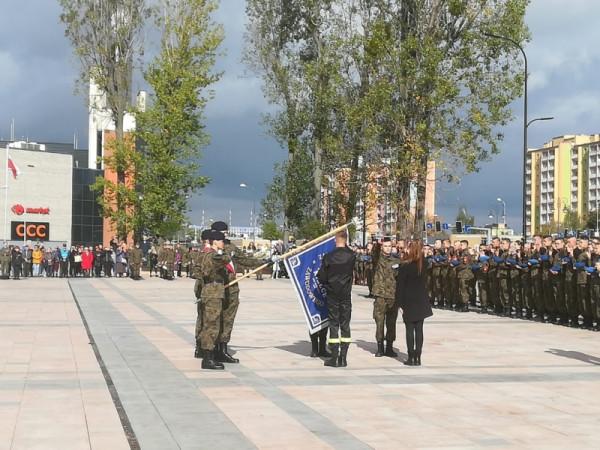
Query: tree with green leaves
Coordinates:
[270,231]
[364,84]
[171,129]
[106,38]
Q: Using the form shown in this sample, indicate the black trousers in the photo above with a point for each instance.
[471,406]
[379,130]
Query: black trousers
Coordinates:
[64,268]
[414,336]
[340,312]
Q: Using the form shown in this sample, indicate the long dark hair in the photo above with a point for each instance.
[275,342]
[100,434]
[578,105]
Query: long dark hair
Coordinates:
[415,254]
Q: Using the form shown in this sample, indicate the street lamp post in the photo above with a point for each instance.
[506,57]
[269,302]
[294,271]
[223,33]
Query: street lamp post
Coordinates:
[503,210]
[252,213]
[526,123]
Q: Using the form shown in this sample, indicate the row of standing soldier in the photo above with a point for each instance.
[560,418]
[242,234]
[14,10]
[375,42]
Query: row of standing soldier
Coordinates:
[551,280]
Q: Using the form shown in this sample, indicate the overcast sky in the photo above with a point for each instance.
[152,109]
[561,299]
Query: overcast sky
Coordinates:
[38,71]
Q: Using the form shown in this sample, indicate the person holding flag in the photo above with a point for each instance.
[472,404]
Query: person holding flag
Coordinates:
[336,276]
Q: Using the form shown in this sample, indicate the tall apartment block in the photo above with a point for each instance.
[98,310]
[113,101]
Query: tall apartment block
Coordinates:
[562,176]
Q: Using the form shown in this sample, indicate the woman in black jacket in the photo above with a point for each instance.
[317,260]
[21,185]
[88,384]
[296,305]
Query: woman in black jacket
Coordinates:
[411,296]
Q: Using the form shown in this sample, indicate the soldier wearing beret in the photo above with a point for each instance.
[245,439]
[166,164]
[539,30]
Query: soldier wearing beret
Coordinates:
[214,270]
[197,262]
[232,293]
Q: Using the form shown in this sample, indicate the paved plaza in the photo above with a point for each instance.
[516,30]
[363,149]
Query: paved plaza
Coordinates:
[132,382]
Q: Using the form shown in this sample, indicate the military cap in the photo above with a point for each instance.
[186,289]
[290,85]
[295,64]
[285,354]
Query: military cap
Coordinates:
[219,226]
[205,235]
[216,236]
[387,239]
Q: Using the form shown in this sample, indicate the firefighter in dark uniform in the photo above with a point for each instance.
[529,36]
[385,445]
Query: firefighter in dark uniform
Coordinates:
[335,275]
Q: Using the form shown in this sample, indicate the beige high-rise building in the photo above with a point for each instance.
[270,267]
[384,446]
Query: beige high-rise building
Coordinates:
[560,177]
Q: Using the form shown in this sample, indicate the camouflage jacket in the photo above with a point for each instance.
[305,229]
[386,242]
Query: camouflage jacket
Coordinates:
[384,279]
[214,274]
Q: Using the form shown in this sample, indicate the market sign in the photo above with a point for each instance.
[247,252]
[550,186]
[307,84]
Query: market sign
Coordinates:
[19,210]
[37,231]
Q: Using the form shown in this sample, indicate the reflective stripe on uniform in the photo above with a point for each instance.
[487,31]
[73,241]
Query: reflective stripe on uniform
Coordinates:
[345,340]
[334,340]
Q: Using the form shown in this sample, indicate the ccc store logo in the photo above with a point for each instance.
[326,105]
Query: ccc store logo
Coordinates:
[34,231]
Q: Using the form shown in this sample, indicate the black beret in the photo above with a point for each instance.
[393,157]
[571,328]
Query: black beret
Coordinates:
[216,236]
[219,226]
[205,235]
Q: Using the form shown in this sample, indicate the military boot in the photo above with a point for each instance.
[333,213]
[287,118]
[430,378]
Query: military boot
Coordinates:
[198,353]
[380,351]
[334,360]
[389,349]
[222,355]
[410,361]
[314,340]
[208,361]
[417,358]
[343,353]
[323,344]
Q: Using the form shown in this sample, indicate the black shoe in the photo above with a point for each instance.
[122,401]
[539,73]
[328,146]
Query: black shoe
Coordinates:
[342,362]
[208,362]
[323,352]
[314,341]
[389,349]
[226,357]
[417,359]
[198,353]
[380,351]
[334,361]
[410,361]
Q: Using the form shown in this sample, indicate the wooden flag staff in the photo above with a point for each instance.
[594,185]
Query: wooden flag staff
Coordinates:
[292,252]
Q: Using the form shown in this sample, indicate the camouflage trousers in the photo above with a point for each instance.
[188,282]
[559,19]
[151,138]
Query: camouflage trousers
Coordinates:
[585,305]
[230,307]
[385,313]
[5,268]
[135,270]
[466,289]
[571,299]
[211,321]
[504,292]
[558,293]
[198,324]
[595,301]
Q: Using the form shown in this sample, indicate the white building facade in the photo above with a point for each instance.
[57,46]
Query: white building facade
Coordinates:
[36,196]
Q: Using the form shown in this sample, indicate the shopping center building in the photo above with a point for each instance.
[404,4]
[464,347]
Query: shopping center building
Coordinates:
[46,195]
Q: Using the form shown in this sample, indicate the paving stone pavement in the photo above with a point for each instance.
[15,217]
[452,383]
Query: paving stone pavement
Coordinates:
[486,382]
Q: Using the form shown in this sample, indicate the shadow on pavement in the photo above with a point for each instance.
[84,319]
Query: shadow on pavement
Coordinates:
[300,348]
[583,357]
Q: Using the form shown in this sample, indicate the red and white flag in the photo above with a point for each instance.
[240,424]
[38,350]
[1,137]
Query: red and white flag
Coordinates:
[13,168]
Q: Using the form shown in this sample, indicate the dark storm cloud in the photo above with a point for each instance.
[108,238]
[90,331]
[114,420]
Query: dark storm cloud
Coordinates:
[38,71]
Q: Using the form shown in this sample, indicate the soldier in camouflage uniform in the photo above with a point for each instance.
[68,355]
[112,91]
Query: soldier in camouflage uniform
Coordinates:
[570,282]
[547,289]
[483,282]
[504,277]
[197,262]
[465,281]
[135,260]
[594,275]
[557,275]
[232,294]
[385,310]
[213,269]
[5,260]
[582,260]
[166,259]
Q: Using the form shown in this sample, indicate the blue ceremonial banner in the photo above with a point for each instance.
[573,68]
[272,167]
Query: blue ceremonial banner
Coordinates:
[302,269]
